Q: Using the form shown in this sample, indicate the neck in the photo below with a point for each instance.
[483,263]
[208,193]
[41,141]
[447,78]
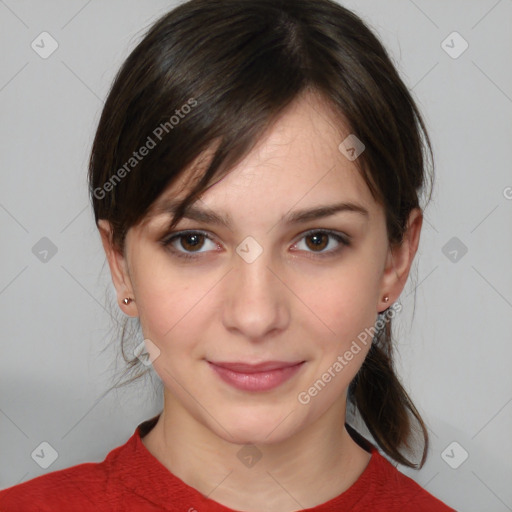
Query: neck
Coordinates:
[311,467]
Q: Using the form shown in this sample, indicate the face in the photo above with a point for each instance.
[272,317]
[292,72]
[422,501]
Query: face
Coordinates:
[249,314]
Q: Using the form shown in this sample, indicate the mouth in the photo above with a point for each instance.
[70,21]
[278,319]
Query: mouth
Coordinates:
[256,377]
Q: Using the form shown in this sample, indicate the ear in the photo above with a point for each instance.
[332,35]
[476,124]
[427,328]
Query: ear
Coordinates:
[399,260]
[118,269]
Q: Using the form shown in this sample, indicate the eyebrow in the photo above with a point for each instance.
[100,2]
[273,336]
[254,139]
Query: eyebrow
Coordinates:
[295,217]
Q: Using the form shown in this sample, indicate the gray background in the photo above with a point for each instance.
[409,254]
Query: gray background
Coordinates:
[58,345]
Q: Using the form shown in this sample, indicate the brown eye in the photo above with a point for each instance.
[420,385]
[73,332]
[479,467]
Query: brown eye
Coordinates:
[317,241]
[192,241]
[188,244]
[322,243]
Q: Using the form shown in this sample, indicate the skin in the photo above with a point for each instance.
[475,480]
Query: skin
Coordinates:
[290,304]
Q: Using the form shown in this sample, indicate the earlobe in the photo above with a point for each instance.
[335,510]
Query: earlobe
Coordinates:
[118,270]
[399,259]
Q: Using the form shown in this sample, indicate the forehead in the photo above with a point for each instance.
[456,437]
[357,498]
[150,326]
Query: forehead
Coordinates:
[296,162]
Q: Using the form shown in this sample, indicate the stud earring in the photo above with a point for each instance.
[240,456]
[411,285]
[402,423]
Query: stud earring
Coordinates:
[386,299]
[127,301]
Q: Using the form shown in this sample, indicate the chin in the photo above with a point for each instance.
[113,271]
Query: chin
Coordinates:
[258,428]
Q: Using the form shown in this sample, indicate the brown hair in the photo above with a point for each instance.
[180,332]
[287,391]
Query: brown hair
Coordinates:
[219,72]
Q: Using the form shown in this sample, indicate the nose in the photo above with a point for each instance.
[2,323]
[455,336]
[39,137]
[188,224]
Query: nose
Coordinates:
[256,302]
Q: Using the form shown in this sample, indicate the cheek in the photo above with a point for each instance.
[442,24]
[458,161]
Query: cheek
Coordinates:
[157,292]
[172,306]
[343,302]
[167,311]
[341,320]
[339,352]
[171,319]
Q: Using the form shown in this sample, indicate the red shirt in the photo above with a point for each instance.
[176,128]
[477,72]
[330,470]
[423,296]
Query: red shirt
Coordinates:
[132,479]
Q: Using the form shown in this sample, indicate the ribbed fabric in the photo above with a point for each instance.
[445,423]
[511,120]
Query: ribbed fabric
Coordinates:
[131,479]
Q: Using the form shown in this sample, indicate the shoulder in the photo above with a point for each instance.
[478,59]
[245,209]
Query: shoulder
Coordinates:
[382,487]
[79,484]
[85,486]
[112,485]
[391,488]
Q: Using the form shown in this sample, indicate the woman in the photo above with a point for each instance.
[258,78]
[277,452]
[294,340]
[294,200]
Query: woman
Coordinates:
[255,179]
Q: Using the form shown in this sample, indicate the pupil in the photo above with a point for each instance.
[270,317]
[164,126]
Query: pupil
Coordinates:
[317,240]
[192,241]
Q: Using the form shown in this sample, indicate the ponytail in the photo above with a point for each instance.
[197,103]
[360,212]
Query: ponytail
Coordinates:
[384,405]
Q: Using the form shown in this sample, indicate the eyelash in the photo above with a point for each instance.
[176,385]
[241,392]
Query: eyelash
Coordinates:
[345,241]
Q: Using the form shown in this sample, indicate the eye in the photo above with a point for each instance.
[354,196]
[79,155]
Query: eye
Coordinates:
[190,244]
[319,240]
[186,243]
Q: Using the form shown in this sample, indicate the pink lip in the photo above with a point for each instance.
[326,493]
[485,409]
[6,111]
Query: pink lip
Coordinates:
[256,377]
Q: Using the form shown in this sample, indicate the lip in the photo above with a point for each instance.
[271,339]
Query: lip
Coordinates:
[256,377]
